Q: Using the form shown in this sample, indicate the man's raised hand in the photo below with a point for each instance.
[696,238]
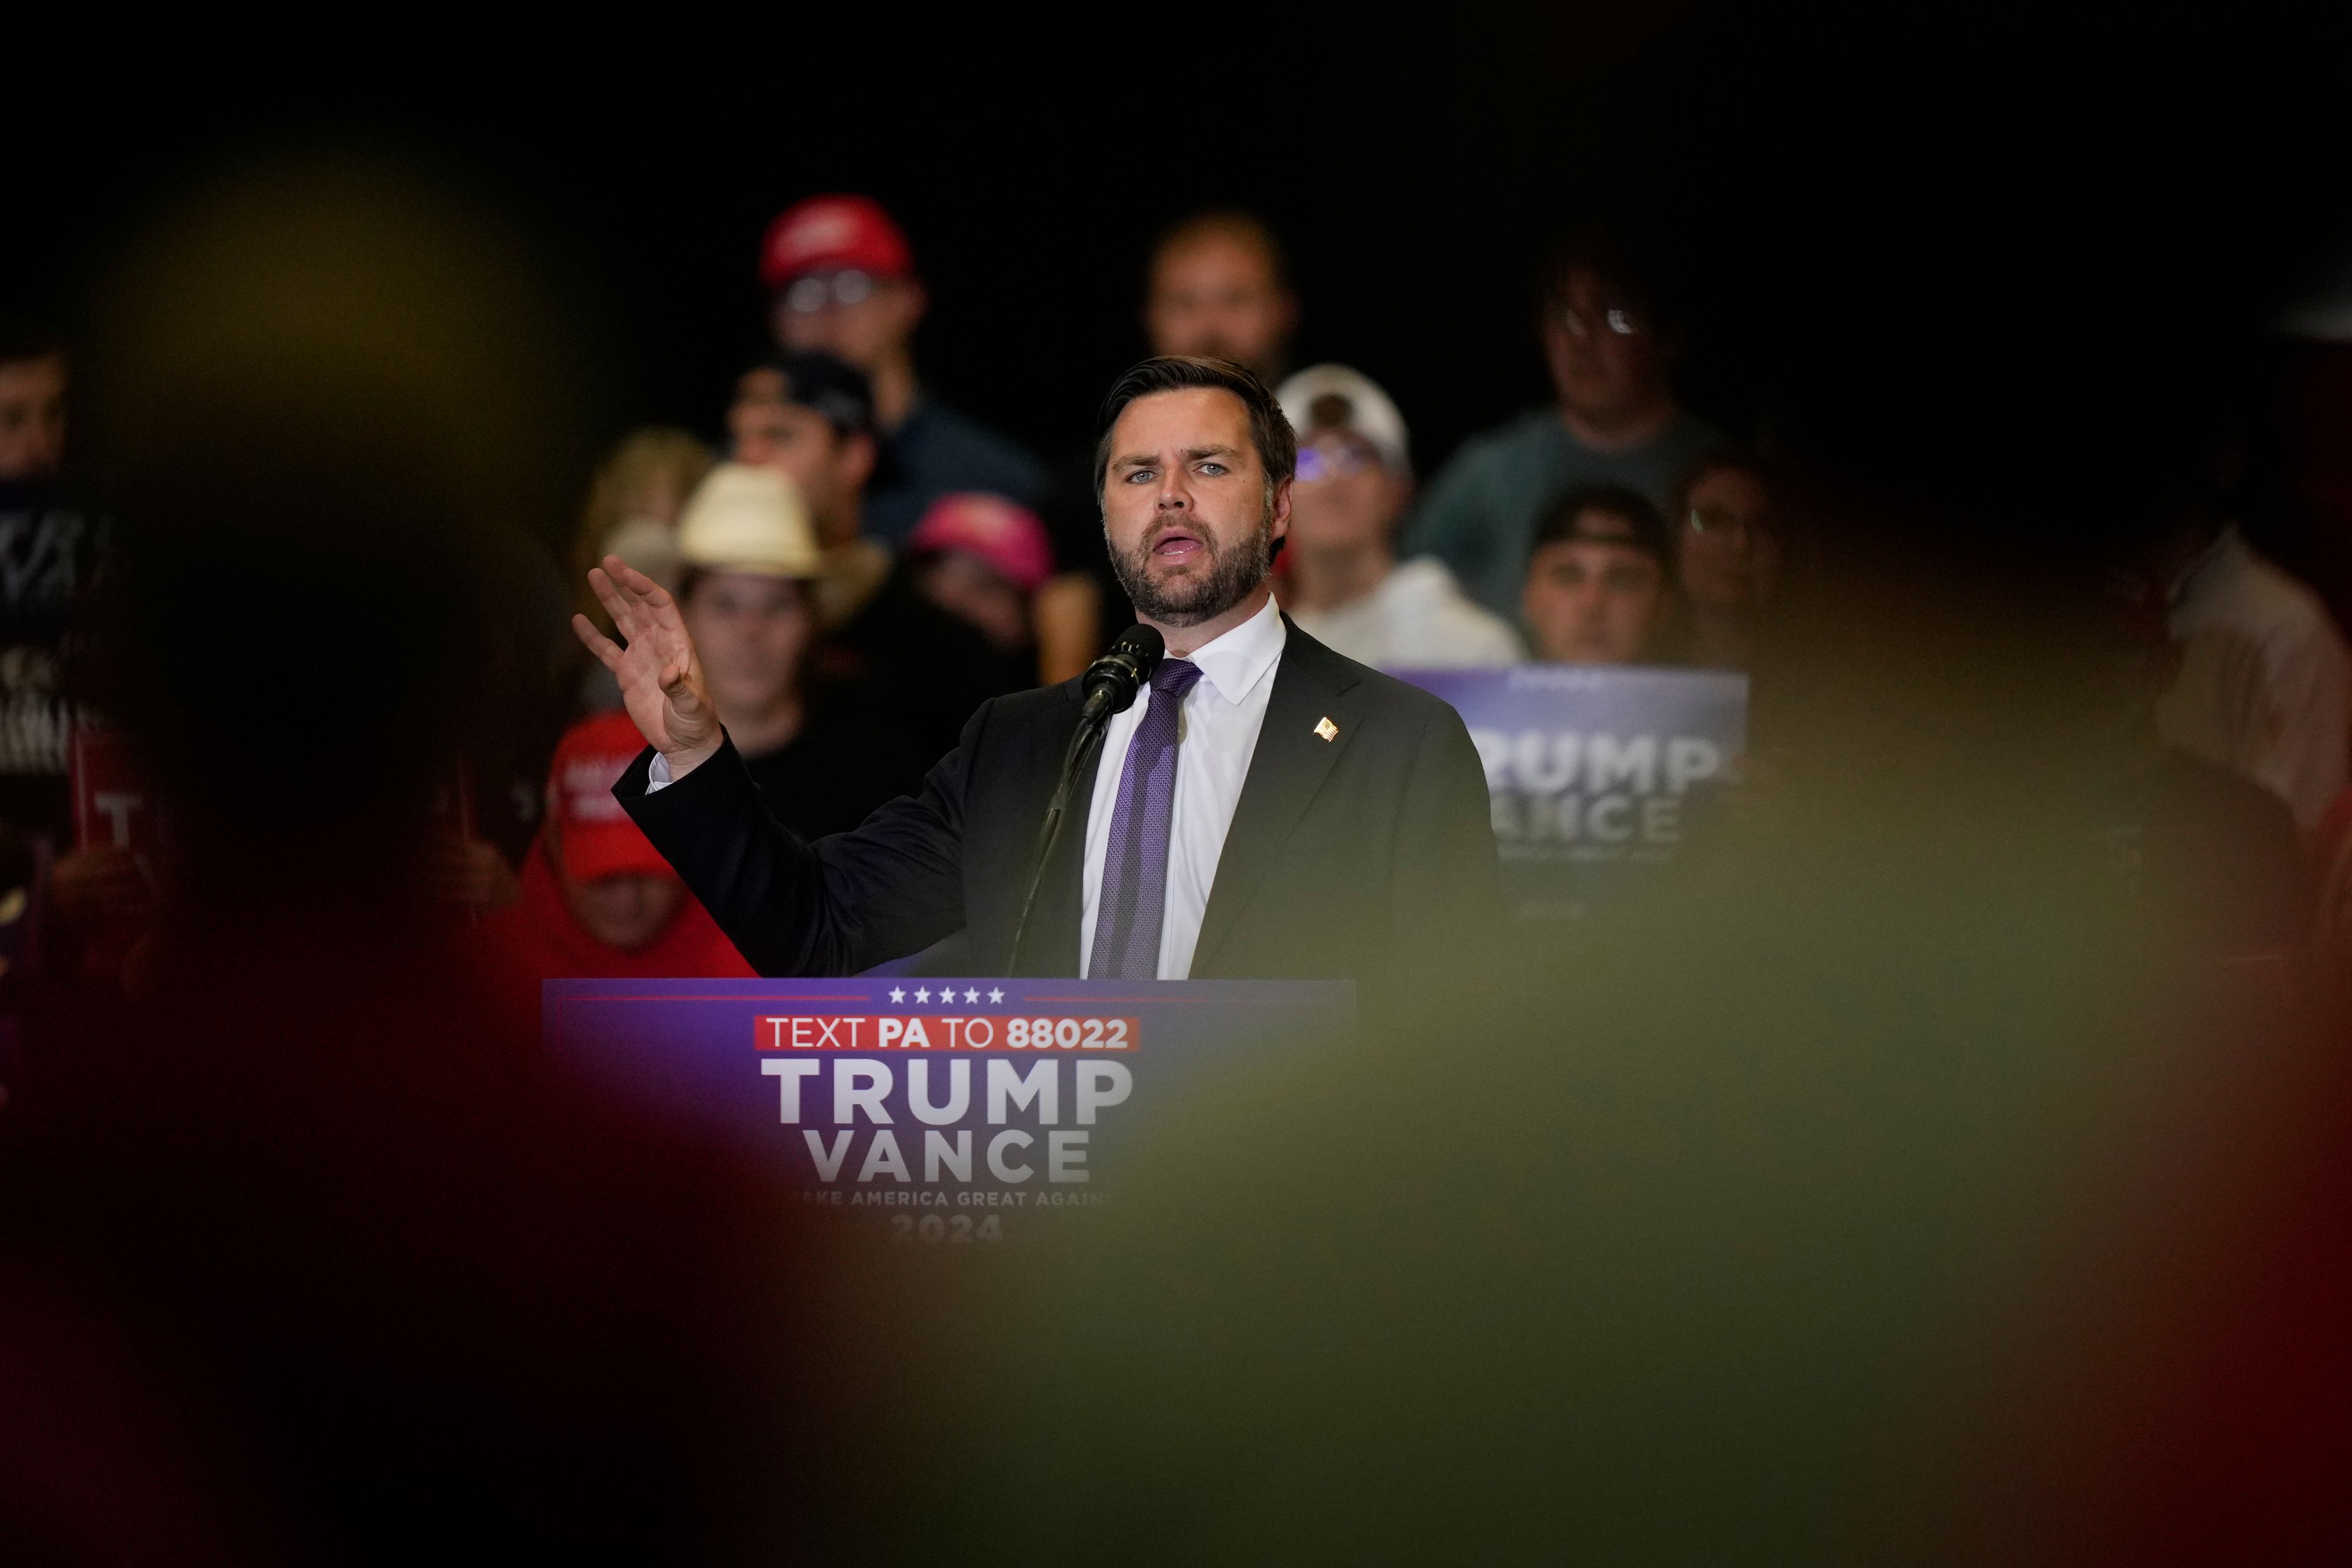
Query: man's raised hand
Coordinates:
[661,681]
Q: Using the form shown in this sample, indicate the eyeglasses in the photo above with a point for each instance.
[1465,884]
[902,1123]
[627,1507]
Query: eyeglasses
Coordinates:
[1316,463]
[808,295]
[1719,524]
[1616,321]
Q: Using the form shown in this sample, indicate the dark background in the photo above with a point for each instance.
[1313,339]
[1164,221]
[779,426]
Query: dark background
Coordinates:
[1953,242]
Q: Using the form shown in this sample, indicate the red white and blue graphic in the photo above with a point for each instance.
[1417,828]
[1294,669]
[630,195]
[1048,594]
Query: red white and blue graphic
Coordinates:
[929,1096]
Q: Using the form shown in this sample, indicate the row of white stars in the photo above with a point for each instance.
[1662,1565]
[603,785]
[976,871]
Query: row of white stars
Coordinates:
[947,994]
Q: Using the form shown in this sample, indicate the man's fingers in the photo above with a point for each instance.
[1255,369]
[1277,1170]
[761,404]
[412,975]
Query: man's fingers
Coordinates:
[678,685]
[616,603]
[637,583]
[607,651]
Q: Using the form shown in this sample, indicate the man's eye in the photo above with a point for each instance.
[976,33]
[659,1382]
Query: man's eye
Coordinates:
[1212,468]
[1133,475]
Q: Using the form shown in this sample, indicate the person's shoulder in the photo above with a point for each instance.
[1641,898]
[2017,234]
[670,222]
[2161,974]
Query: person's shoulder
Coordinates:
[1423,586]
[1336,673]
[994,461]
[1694,436]
[2286,602]
[2277,614]
[1038,703]
[1533,431]
[1431,620]
[1034,709]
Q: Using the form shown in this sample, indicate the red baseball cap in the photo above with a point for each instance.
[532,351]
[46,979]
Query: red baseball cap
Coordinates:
[827,234]
[598,838]
[1009,537]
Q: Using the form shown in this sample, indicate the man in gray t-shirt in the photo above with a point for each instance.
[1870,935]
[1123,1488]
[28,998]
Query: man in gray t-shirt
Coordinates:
[1616,422]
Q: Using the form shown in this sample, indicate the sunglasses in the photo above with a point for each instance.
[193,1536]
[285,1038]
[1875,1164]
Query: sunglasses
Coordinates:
[1616,321]
[1721,525]
[1316,463]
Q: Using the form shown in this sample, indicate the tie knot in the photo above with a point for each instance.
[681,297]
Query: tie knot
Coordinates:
[1174,678]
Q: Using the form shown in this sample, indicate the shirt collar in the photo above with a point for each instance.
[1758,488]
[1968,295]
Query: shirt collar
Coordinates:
[1233,662]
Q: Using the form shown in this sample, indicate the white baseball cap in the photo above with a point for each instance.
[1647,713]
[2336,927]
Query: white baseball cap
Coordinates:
[1311,399]
[748,519]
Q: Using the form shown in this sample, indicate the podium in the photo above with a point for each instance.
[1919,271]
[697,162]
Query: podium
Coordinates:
[957,1111]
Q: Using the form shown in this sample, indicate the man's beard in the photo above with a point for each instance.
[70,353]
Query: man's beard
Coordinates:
[1232,576]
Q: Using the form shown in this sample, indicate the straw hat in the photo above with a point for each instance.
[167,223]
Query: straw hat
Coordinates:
[747,518]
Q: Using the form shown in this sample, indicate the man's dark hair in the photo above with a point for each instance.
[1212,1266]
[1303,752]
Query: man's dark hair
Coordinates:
[831,386]
[1622,258]
[1723,460]
[1270,432]
[1564,518]
[1226,222]
[24,339]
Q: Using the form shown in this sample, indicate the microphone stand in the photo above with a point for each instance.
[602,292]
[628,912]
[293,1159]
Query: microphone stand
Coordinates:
[1111,686]
[1049,831]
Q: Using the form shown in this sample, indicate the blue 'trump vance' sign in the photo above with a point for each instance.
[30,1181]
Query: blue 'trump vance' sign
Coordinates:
[1594,772]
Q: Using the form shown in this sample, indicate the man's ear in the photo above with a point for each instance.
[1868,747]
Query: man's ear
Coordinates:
[914,301]
[1280,527]
[857,460]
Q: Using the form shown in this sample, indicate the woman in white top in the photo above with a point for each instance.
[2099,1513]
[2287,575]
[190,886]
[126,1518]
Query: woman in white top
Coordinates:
[1345,587]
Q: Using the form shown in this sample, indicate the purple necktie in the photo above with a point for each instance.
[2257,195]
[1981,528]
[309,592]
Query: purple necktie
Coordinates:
[1134,866]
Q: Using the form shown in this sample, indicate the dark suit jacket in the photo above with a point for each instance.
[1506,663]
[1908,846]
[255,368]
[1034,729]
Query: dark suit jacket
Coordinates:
[1347,857]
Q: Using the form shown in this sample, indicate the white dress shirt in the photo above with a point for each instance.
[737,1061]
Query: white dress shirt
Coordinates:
[1217,736]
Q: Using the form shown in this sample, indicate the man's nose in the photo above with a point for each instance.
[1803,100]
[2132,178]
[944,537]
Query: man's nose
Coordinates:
[1174,497]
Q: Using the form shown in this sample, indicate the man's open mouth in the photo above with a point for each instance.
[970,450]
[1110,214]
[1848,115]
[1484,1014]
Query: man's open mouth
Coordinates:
[1177,545]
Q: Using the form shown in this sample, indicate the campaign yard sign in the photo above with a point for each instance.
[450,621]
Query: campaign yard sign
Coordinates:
[1597,774]
[957,1110]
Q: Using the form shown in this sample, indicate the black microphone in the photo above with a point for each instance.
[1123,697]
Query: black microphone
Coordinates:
[1112,680]
[1111,683]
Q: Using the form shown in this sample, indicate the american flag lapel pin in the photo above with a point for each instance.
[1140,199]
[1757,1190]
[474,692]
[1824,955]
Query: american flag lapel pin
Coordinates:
[1328,730]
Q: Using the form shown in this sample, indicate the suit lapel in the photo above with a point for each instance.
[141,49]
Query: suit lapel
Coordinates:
[1288,767]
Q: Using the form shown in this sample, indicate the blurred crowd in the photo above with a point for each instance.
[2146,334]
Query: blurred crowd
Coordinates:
[302,1174]
[863,564]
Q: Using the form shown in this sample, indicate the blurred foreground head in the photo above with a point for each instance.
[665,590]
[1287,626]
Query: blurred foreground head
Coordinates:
[307,1225]
[319,393]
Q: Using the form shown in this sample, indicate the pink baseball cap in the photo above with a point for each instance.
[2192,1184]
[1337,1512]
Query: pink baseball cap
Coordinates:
[827,234]
[1005,536]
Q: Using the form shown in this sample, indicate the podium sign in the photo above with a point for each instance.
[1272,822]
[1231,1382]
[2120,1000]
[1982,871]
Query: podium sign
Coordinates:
[1596,774]
[957,1106]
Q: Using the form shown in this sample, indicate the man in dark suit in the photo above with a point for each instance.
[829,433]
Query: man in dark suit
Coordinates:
[1264,808]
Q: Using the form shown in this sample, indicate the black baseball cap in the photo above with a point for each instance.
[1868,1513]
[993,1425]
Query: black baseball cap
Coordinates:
[1606,514]
[833,387]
